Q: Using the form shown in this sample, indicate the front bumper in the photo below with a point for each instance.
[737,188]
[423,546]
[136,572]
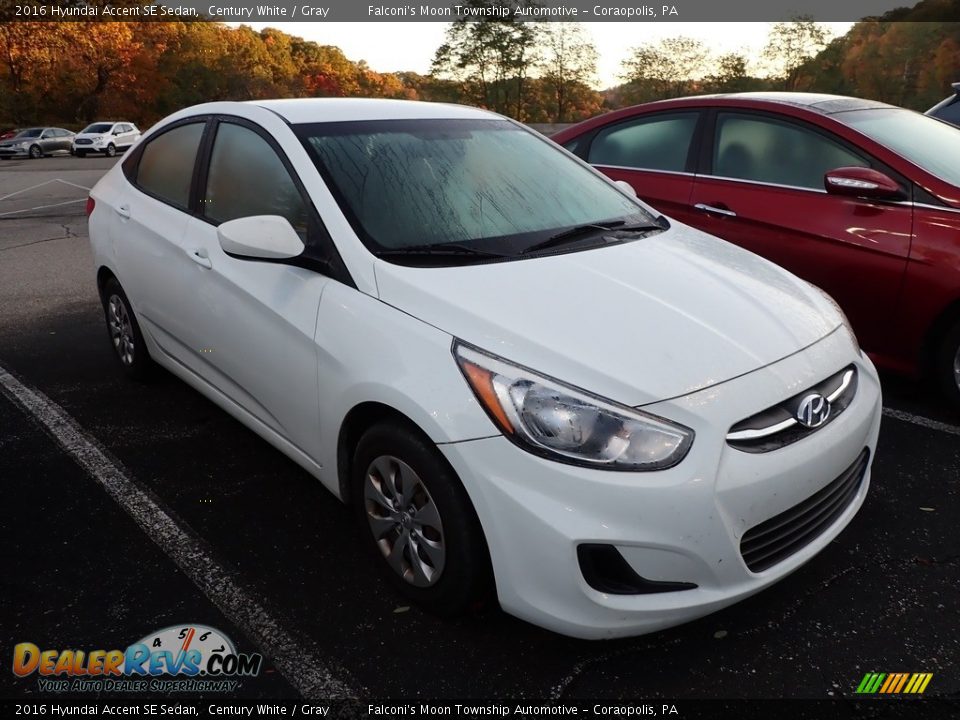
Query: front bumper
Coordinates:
[14,152]
[683,524]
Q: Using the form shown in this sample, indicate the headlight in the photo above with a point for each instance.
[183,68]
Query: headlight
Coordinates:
[23,144]
[561,422]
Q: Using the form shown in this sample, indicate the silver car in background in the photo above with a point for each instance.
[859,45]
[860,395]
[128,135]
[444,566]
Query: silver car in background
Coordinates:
[36,142]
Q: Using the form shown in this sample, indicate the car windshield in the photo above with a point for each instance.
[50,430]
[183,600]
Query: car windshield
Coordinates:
[97,128]
[486,186]
[924,141]
[30,132]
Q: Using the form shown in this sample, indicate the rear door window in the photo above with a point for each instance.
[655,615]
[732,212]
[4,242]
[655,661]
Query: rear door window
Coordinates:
[657,142]
[166,164]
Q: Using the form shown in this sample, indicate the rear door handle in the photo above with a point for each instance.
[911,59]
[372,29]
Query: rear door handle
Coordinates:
[123,211]
[714,210]
[200,257]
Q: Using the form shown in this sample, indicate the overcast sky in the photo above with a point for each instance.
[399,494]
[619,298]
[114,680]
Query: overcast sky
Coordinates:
[390,47]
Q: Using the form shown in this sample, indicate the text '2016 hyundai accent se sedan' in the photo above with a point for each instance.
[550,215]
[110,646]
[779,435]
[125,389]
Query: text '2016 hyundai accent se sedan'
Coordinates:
[519,375]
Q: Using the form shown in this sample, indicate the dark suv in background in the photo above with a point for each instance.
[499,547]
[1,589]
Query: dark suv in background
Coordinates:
[948,109]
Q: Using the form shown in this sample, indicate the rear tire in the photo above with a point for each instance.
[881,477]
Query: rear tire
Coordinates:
[124,331]
[417,520]
[948,366]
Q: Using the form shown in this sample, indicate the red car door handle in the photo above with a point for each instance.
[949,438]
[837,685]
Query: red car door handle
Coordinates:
[715,210]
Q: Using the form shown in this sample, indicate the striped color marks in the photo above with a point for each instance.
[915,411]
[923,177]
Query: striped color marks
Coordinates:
[891,683]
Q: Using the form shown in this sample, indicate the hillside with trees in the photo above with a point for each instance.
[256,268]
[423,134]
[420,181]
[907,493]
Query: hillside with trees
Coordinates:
[72,72]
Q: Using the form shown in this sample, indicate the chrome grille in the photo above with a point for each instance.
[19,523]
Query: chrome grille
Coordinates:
[778,426]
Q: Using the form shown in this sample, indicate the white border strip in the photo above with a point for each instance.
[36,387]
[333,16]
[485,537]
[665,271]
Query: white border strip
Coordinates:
[922,421]
[299,664]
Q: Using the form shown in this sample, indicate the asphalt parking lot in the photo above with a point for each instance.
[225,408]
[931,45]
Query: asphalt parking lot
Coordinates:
[264,553]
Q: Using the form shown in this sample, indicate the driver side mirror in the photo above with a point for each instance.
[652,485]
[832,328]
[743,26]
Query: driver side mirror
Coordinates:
[861,182]
[260,237]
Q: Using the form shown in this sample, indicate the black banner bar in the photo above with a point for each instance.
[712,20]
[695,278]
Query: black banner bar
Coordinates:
[466,709]
[591,11]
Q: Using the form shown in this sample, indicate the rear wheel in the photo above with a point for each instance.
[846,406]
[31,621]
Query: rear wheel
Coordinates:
[948,365]
[124,330]
[111,150]
[417,520]
[35,151]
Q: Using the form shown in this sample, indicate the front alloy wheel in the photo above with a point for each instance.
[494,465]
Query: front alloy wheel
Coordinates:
[417,519]
[404,521]
[35,151]
[111,150]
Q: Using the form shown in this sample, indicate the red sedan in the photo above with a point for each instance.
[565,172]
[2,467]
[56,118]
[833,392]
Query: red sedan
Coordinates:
[858,197]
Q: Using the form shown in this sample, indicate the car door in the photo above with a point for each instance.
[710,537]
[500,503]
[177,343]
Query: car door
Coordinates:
[762,188]
[126,136]
[653,153]
[252,323]
[148,220]
[47,141]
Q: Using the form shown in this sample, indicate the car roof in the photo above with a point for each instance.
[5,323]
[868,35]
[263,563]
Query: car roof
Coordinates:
[311,110]
[818,102]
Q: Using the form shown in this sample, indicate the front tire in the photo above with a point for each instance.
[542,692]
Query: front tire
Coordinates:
[35,152]
[124,331]
[417,520]
[948,366]
[111,150]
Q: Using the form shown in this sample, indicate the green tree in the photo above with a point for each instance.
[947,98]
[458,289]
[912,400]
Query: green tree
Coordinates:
[666,69]
[492,59]
[569,62]
[790,45]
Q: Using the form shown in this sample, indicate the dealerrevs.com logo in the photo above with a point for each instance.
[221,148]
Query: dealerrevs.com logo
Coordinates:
[184,658]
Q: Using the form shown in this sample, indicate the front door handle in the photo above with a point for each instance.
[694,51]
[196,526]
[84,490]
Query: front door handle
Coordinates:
[200,257]
[715,210]
[123,211]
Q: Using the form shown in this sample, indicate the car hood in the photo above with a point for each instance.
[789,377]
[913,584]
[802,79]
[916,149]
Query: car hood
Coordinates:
[90,136]
[637,322]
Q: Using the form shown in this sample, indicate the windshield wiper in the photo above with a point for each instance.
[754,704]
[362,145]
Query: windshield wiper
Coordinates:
[574,233]
[439,249]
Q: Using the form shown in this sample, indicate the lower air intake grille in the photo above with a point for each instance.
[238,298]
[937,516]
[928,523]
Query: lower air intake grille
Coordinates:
[780,537]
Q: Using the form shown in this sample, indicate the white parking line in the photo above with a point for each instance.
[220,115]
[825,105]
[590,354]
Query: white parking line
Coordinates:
[300,664]
[922,421]
[42,207]
[40,185]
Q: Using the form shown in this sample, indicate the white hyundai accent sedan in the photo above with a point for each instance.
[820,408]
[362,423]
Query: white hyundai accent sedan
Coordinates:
[516,373]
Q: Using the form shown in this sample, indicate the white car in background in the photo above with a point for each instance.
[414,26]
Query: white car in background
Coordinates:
[520,376]
[108,138]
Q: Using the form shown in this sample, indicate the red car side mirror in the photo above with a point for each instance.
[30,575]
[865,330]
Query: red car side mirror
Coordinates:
[861,182]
